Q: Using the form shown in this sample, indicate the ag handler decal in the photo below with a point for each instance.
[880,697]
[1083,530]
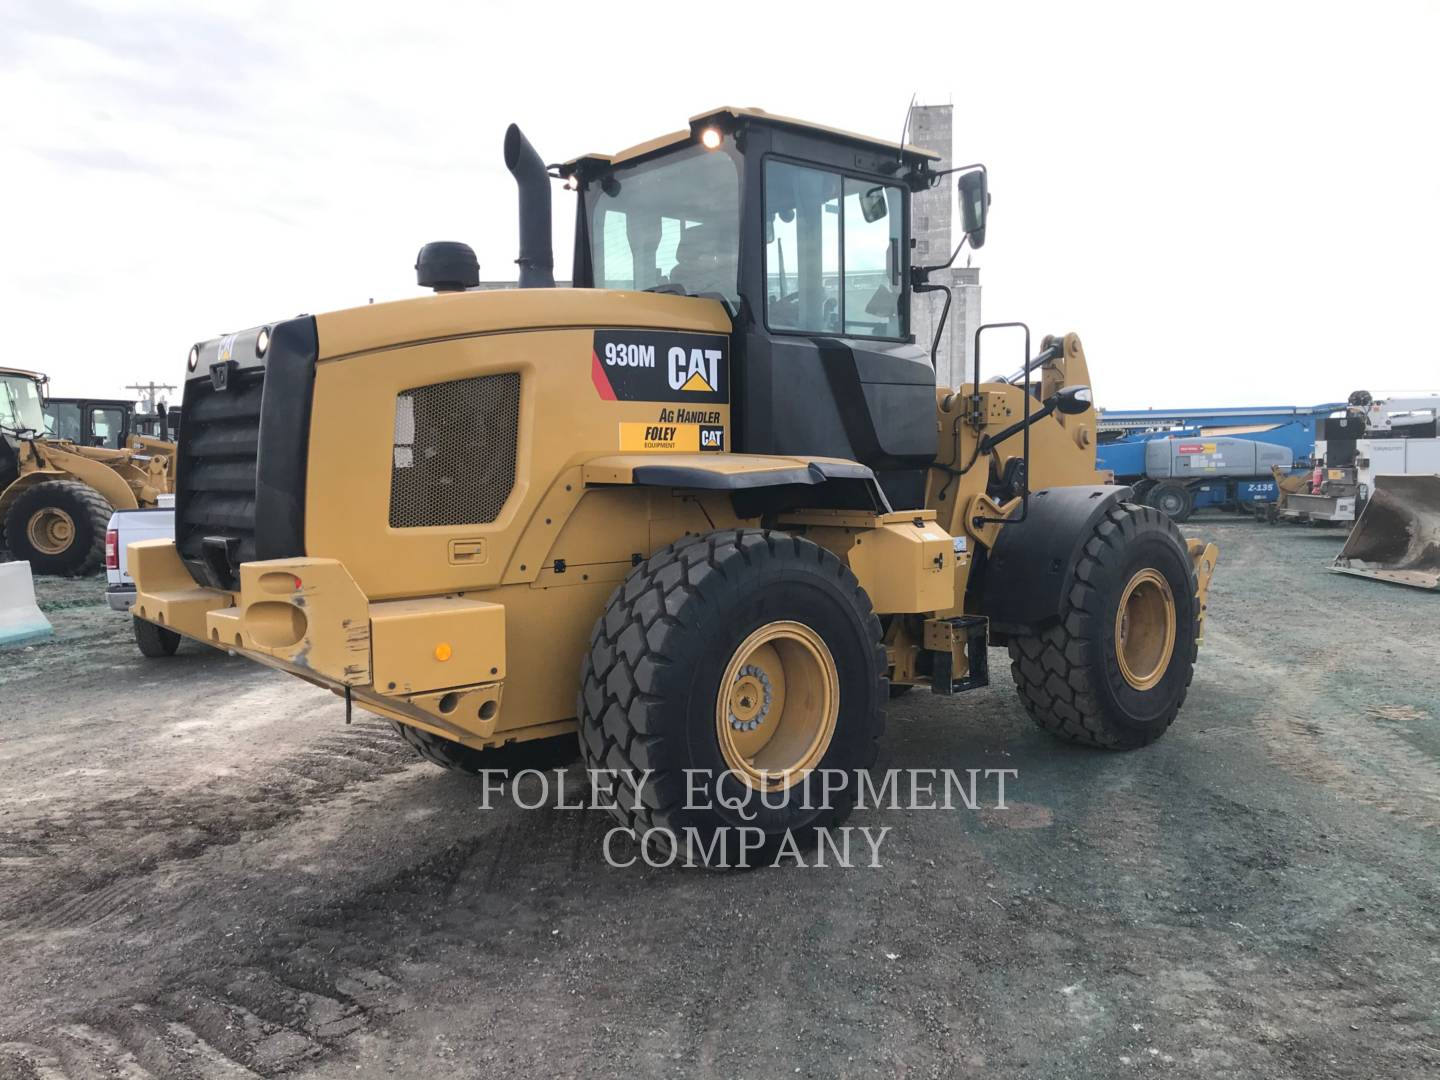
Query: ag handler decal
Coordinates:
[650,365]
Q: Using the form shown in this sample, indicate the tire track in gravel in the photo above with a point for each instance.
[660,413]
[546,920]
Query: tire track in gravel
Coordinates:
[79,867]
[205,964]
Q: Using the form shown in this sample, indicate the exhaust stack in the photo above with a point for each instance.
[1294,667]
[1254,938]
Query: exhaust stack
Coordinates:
[537,260]
[1397,538]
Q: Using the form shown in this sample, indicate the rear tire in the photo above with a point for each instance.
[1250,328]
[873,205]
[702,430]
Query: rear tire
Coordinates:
[154,641]
[1109,679]
[58,527]
[1175,501]
[746,661]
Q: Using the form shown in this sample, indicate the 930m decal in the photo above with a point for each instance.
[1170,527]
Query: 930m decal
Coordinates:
[648,365]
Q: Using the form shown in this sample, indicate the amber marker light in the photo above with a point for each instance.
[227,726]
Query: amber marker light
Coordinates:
[442,651]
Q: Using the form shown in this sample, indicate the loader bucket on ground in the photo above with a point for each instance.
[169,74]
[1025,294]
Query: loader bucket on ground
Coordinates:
[1398,535]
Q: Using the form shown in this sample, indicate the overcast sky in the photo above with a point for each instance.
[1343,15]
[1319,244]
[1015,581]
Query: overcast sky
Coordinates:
[1231,203]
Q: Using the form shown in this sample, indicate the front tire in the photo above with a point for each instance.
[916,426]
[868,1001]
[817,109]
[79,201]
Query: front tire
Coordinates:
[1114,670]
[58,527]
[746,663]
[154,641]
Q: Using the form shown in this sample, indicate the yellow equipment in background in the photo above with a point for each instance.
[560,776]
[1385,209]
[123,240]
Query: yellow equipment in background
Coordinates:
[56,496]
[709,507]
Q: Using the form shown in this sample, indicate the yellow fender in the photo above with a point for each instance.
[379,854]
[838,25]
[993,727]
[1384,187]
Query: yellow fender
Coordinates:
[58,464]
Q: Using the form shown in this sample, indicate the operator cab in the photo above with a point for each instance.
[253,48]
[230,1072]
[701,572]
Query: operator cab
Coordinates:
[22,415]
[804,233]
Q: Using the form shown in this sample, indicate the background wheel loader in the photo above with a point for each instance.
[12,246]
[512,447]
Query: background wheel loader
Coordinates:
[708,507]
[56,495]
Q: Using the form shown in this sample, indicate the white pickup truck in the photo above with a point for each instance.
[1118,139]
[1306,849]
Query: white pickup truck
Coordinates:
[126,527]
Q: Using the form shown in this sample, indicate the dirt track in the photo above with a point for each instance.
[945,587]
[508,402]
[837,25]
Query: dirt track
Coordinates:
[203,873]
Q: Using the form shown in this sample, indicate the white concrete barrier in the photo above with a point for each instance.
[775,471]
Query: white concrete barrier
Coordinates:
[20,618]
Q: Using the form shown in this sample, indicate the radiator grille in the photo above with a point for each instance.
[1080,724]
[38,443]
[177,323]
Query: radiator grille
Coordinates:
[454,455]
[215,485]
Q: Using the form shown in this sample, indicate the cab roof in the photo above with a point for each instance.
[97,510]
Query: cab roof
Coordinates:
[37,376]
[734,113]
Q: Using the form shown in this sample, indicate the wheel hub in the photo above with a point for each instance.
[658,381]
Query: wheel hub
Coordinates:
[777,705]
[750,698]
[1145,629]
[50,530]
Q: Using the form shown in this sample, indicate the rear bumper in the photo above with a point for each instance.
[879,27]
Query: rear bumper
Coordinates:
[436,663]
[120,597]
[1319,508]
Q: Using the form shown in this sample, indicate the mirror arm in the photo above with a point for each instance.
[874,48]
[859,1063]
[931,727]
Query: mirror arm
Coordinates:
[959,168]
[920,282]
[920,275]
[921,286]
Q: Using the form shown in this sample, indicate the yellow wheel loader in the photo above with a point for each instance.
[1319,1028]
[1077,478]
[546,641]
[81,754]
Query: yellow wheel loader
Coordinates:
[56,495]
[708,508]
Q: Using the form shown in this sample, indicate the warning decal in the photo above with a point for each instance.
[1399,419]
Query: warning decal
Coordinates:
[651,365]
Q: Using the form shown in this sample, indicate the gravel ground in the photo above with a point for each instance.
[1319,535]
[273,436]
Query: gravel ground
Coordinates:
[205,873]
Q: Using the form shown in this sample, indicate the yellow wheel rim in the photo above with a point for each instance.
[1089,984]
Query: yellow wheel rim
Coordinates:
[777,704]
[51,531]
[1145,629]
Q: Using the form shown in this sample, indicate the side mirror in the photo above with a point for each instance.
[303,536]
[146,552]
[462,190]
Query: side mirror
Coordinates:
[974,205]
[1072,400]
[872,204]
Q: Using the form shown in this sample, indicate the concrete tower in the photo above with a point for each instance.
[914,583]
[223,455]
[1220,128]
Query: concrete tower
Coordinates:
[930,215]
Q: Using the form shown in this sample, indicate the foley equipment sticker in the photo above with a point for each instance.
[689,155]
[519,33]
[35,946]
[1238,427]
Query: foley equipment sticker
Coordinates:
[667,434]
[650,365]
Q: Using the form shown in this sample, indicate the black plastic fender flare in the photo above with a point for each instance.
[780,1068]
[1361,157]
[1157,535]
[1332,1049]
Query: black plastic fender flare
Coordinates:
[1024,576]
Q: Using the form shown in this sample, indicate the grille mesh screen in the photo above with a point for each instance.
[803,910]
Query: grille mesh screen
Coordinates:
[454,457]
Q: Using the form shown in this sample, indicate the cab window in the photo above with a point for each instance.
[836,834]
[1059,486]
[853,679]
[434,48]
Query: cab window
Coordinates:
[802,248]
[107,427]
[874,220]
[62,419]
[671,223]
[833,253]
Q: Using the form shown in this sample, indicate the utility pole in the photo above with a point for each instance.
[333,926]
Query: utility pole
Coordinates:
[149,393]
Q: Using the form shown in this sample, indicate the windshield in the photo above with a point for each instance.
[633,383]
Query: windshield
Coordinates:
[62,419]
[20,404]
[671,222]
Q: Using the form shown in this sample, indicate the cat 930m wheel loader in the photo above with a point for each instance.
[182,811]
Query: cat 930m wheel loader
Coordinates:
[708,507]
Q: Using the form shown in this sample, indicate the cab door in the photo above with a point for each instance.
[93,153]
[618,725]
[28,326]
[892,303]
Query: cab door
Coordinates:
[829,365]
